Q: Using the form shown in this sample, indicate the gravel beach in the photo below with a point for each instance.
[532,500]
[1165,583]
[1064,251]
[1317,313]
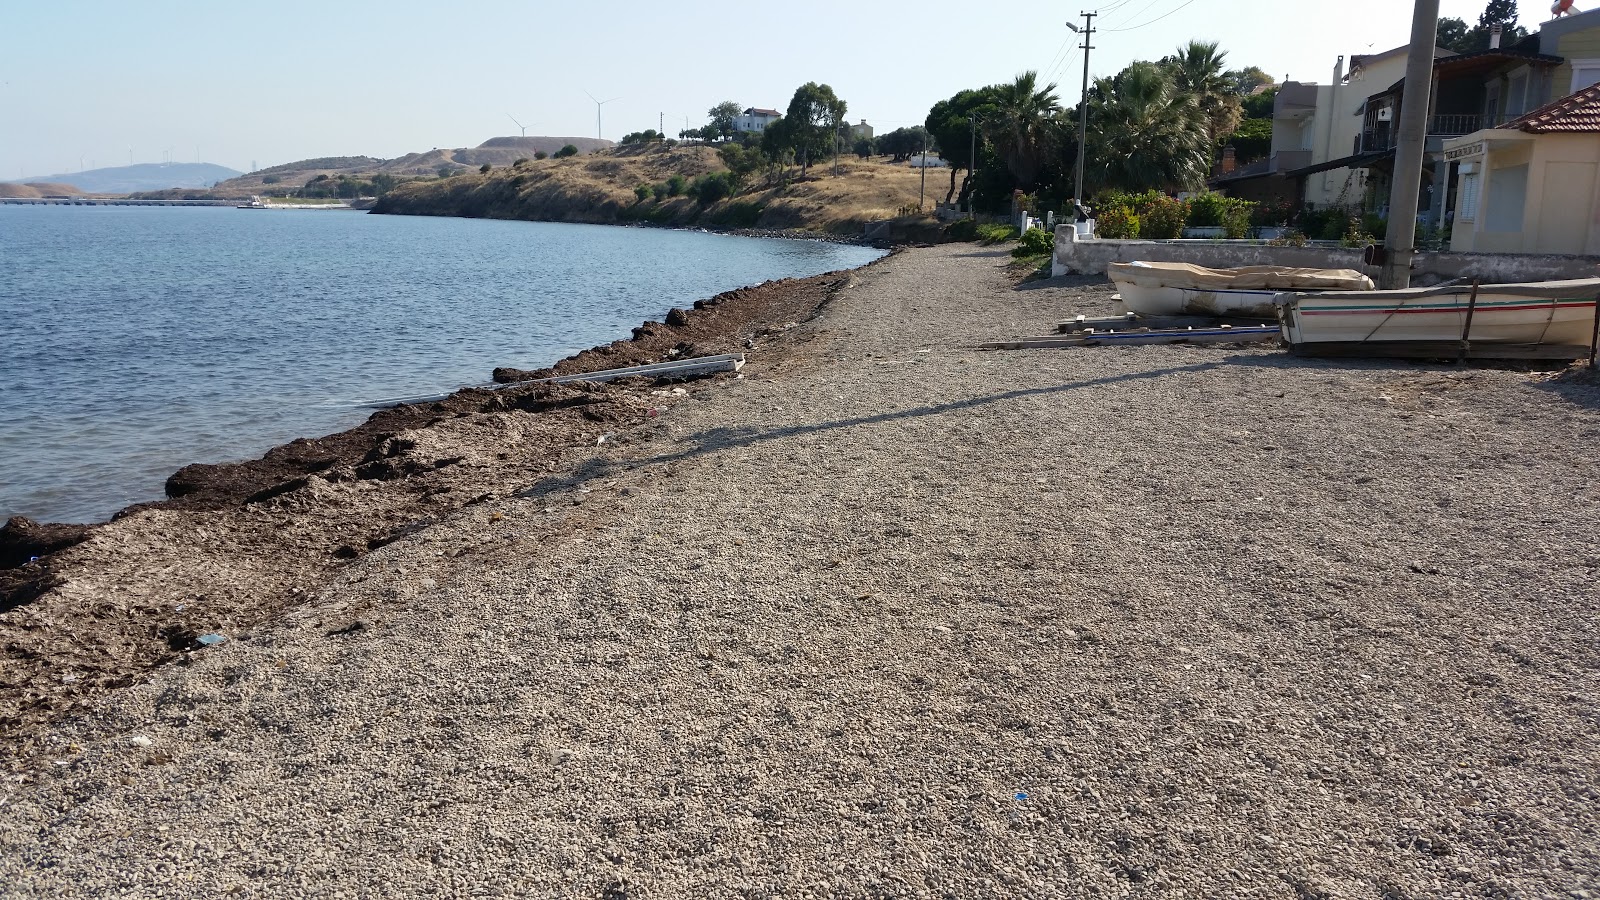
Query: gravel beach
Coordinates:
[889,616]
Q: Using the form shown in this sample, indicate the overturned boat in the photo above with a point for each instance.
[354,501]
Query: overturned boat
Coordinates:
[1172,289]
[1537,320]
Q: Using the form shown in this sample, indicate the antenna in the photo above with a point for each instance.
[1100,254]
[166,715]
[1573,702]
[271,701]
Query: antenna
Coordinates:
[519,124]
[598,131]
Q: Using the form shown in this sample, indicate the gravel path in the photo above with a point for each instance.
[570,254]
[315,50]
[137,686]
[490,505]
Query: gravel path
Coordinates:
[893,617]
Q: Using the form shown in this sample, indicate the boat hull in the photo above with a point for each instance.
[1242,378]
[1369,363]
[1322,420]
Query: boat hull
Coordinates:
[1174,289]
[1550,319]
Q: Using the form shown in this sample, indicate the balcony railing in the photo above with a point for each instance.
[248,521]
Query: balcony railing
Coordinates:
[1453,125]
[1384,135]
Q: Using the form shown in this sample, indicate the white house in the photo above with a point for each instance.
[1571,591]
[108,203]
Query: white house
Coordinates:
[755,120]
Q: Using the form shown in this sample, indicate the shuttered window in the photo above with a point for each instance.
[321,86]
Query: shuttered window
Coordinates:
[1467,202]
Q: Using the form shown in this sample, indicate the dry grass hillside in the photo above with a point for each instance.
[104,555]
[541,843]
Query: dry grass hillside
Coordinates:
[33,190]
[602,188]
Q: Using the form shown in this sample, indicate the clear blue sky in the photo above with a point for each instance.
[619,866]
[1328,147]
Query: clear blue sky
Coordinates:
[279,81]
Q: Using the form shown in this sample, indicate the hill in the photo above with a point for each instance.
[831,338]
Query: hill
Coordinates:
[602,188]
[15,190]
[142,177]
[499,151]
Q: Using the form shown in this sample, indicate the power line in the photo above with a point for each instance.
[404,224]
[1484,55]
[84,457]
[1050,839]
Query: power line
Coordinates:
[1153,21]
[1131,16]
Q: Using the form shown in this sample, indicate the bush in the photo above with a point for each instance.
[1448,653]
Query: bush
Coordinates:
[677,185]
[962,230]
[540,154]
[521,161]
[1034,242]
[1116,221]
[994,233]
[484,169]
[660,190]
[1206,210]
[1356,234]
[737,215]
[1162,218]
[1236,218]
[270,179]
[642,192]
[710,188]
[566,151]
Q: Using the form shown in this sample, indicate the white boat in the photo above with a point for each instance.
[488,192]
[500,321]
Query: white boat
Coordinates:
[1174,289]
[1545,320]
[255,203]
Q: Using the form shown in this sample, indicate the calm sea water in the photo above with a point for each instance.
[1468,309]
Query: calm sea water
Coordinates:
[134,341]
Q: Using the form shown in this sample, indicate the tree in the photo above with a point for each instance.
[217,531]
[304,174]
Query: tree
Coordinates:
[1245,80]
[1259,106]
[721,120]
[566,151]
[865,148]
[1252,141]
[1022,125]
[540,154]
[1198,69]
[950,122]
[484,169]
[1453,34]
[648,136]
[812,122]
[903,143]
[1145,132]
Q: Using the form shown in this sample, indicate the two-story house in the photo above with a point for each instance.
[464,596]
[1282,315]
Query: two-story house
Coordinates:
[755,120]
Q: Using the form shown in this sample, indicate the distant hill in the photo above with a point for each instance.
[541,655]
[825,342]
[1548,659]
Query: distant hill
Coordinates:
[14,190]
[141,177]
[497,152]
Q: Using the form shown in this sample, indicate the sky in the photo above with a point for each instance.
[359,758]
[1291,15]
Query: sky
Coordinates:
[97,83]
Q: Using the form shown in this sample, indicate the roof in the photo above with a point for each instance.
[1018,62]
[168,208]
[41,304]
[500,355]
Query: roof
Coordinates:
[1481,62]
[754,111]
[1358,161]
[1578,112]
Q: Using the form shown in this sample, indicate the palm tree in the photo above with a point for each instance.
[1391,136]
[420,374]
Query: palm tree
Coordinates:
[1200,68]
[1145,132]
[1022,125]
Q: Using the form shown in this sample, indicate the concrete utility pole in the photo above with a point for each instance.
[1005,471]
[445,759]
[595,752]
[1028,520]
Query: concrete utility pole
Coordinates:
[922,192]
[1083,108]
[1401,240]
[972,162]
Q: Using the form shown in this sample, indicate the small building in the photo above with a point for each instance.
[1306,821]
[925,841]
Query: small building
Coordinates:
[755,120]
[862,131]
[1531,185]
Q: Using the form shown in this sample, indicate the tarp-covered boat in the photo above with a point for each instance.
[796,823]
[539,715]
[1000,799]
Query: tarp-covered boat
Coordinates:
[1172,289]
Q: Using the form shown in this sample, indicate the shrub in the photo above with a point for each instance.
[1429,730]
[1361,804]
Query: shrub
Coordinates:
[962,230]
[1272,215]
[676,185]
[270,179]
[660,190]
[737,215]
[1207,209]
[710,188]
[1355,233]
[1116,221]
[1162,217]
[642,192]
[484,169]
[540,154]
[566,151]
[994,233]
[1292,238]
[1236,218]
[1034,242]
[521,161]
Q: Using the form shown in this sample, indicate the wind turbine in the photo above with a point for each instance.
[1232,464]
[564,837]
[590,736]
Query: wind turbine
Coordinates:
[519,124]
[598,131]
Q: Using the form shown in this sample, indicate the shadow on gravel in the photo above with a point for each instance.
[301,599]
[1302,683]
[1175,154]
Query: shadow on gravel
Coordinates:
[1064,282]
[718,439]
[1001,253]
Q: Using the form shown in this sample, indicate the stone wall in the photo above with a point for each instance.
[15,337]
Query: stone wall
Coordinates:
[1090,257]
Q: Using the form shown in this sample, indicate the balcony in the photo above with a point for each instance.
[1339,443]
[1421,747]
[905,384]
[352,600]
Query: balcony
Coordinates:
[1385,135]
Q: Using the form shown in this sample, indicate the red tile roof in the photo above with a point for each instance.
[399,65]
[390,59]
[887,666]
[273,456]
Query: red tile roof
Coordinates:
[1579,112]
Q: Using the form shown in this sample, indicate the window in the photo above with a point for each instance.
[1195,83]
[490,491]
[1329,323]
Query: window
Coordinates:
[1467,202]
[1585,72]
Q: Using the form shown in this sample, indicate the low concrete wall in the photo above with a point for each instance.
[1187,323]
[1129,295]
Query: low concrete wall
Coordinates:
[1091,257]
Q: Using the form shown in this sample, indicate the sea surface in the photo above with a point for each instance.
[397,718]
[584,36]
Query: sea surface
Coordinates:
[134,341]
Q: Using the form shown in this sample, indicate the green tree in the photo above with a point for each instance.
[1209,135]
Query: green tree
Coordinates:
[1145,132]
[720,118]
[1199,69]
[540,154]
[866,148]
[950,122]
[1452,34]
[1023,125]
[812,122]
[1259,106]
[1252,141]
[1245,80]
[903,143]
[566,151]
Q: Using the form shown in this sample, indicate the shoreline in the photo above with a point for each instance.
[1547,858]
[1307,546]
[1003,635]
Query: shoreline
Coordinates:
[318,494]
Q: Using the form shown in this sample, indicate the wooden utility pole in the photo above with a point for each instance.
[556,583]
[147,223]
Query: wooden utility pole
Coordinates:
[1400,241]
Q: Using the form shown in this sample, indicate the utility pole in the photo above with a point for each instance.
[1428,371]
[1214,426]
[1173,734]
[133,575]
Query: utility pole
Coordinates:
[661,124]
[1401,239]
[923,191]
[972,163]
[1083,107]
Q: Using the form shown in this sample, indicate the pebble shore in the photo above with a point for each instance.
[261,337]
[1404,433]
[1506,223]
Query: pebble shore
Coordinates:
[890,616]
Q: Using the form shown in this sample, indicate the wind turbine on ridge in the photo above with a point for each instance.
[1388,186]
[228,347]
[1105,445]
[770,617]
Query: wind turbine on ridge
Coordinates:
[519,124]
[598,131]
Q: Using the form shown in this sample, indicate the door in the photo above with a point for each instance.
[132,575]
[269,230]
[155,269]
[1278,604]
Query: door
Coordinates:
[1564,212]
